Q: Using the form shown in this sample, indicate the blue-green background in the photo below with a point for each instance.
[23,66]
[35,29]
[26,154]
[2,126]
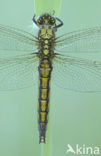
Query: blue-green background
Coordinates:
[75,118]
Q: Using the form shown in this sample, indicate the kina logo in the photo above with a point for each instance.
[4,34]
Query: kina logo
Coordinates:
[83,150]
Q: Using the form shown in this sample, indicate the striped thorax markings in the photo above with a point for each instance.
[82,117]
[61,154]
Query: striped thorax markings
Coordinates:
[45,69]
[46,42]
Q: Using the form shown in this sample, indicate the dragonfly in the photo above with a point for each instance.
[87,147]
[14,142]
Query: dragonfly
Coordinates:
[24,56]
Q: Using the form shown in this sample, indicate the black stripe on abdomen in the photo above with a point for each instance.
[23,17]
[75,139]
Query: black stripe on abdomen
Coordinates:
[45,69]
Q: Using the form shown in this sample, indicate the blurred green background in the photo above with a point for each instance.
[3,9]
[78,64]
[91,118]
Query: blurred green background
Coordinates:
[75,118]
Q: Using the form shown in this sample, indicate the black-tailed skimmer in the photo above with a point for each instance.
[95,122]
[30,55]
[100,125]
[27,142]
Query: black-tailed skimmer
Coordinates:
[23,55]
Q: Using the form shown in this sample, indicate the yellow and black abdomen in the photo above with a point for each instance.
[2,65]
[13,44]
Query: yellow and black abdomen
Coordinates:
[45,69]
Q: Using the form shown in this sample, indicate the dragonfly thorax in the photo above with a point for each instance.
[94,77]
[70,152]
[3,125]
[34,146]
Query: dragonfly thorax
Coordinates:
[46,48]
[46,42]
[46,32]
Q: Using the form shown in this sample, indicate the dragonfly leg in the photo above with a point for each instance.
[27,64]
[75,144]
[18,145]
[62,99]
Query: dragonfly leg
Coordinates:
[34,20]
[59,25]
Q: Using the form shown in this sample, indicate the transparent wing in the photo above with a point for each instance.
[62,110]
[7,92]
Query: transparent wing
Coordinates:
[77,74]
[87,40]
[12,39]
[18,72]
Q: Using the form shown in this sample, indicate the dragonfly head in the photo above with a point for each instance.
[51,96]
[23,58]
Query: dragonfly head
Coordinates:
[45,19]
